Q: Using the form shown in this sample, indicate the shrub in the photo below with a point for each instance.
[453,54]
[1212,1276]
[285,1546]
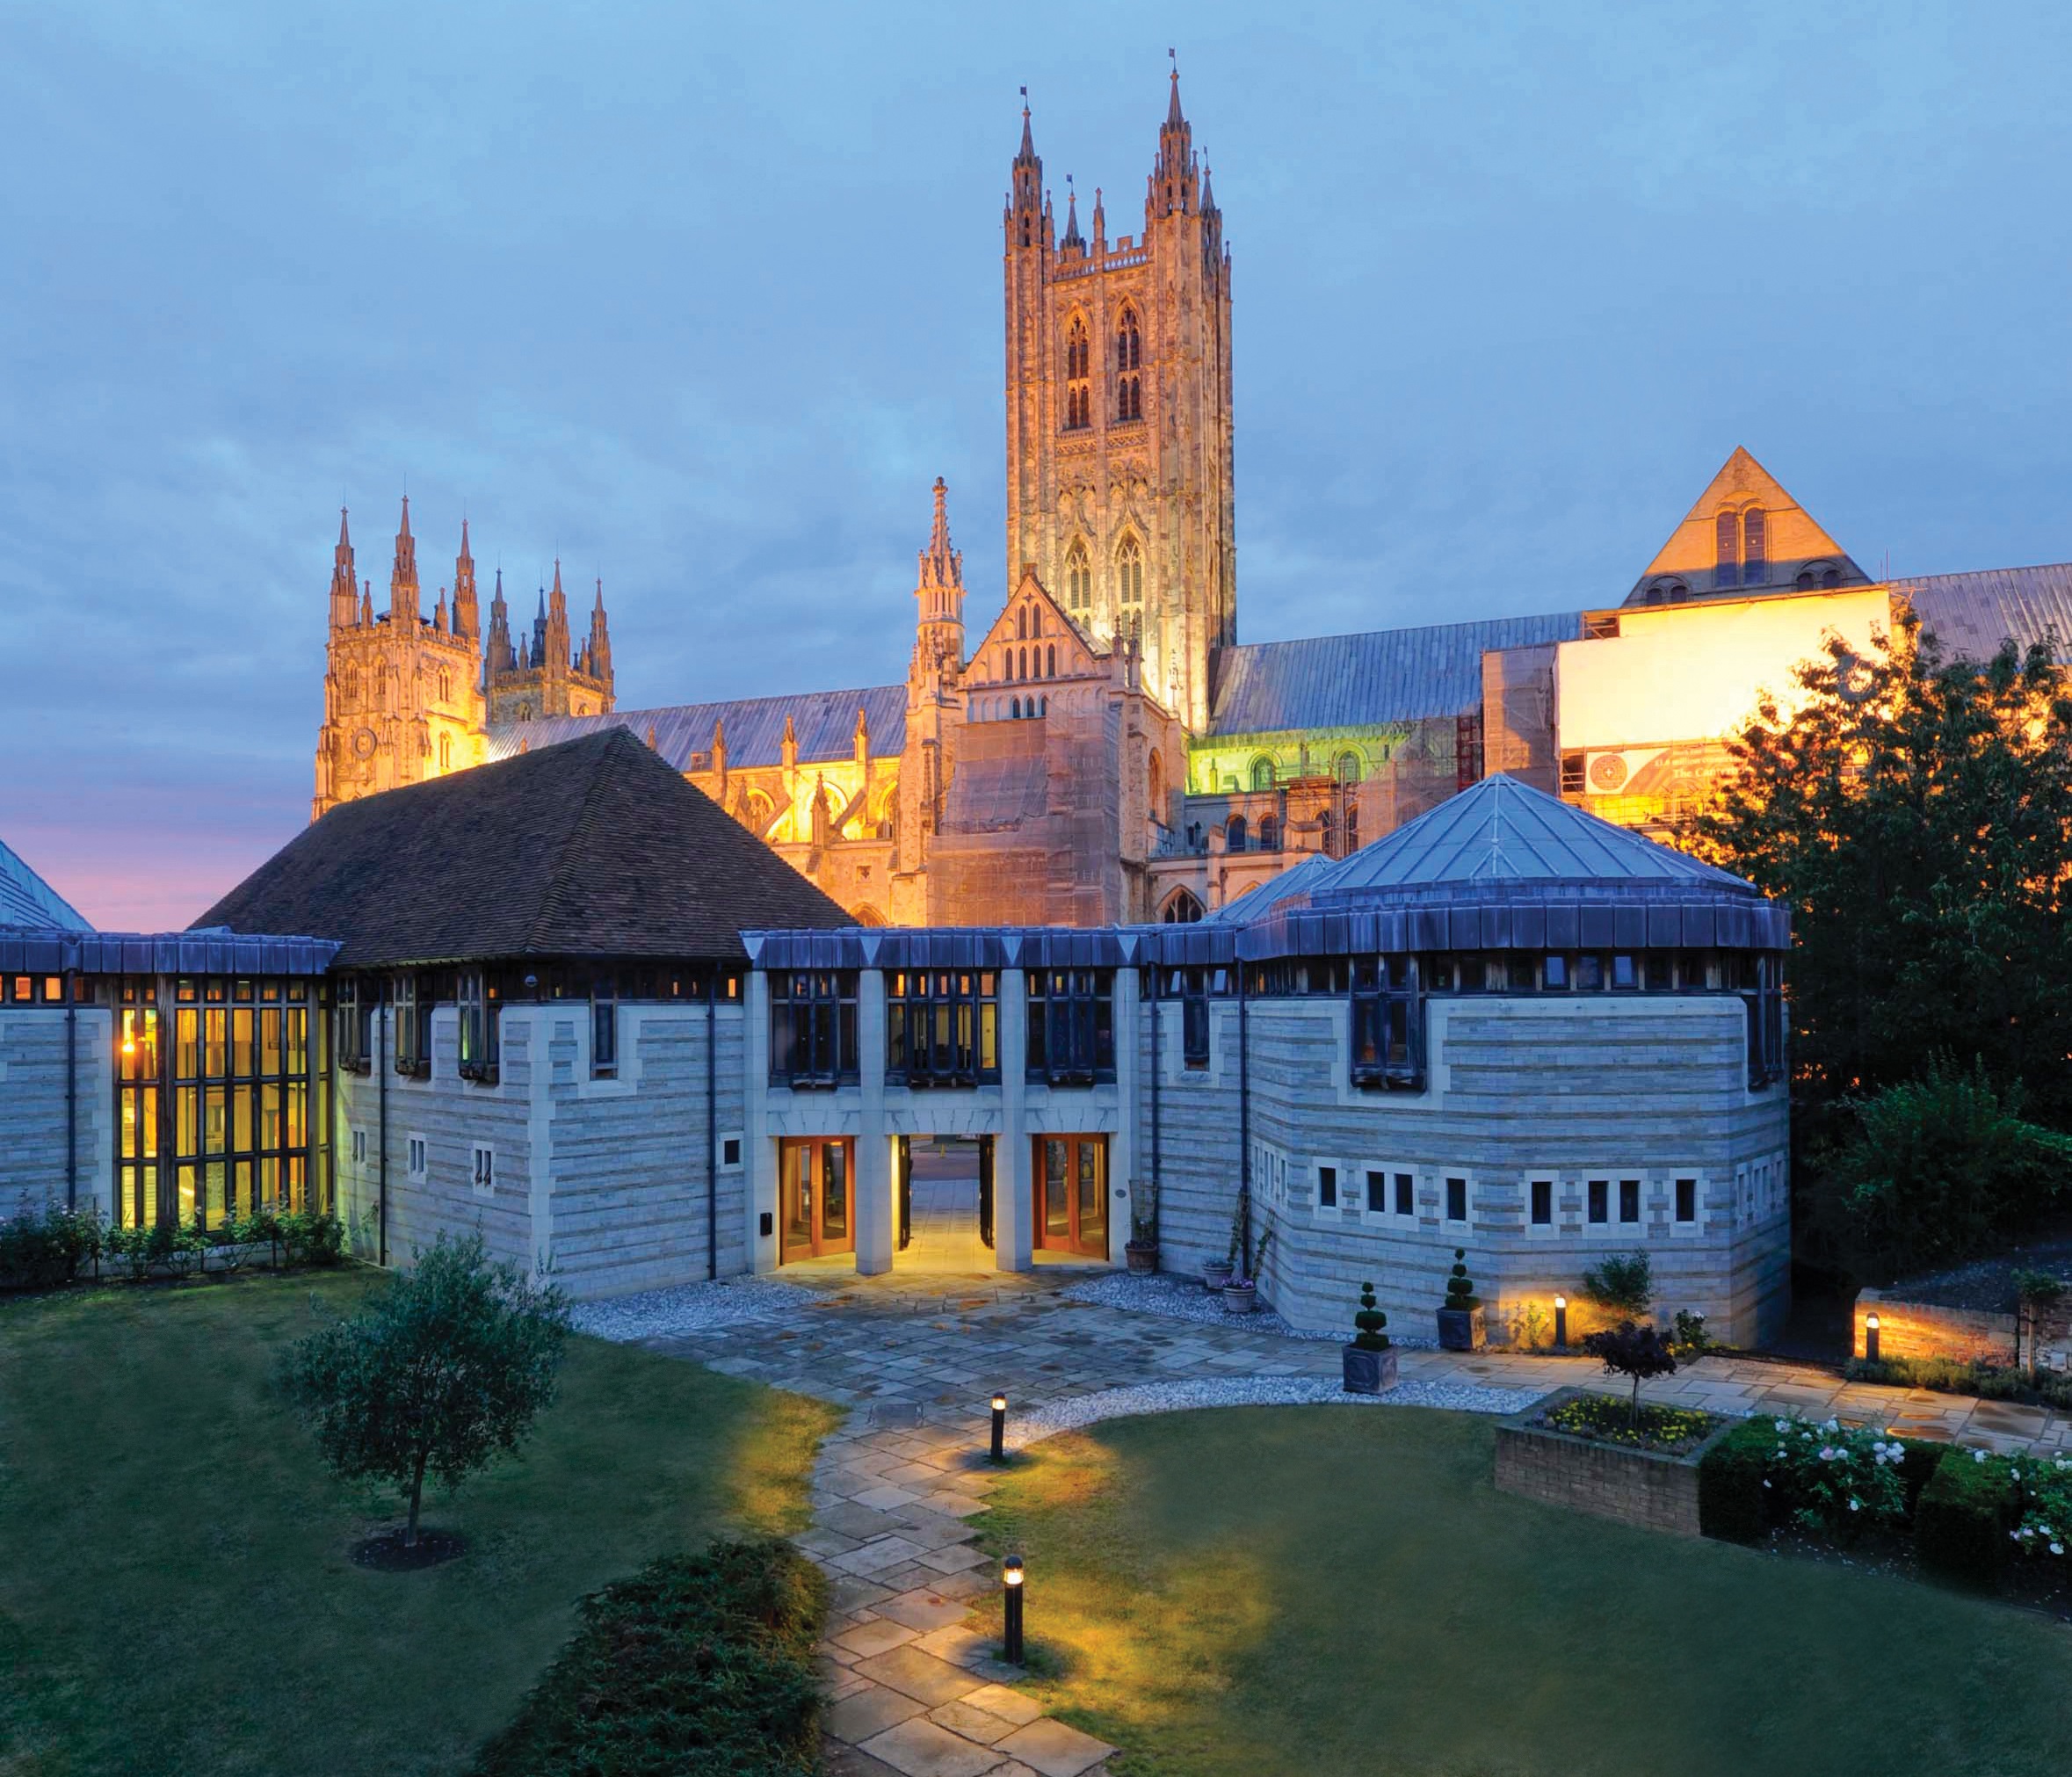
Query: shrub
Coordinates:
[1836,1480]
[1962,1524]
[1940,1169]
[1460,1286]
[2046,1505]
[1636,1351]
[1370,1320]
[1623,1285]
[1732,1502]
[1955,1376]
[45,1251]
[1691,1339]
[446,1369]
[697,1665]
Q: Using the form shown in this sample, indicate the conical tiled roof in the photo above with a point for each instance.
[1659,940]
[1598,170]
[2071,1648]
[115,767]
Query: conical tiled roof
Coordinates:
[27,900]
[1502,831]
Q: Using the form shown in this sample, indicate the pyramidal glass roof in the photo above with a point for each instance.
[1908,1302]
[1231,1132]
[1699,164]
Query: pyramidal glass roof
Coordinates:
[1502,831]
[27,900]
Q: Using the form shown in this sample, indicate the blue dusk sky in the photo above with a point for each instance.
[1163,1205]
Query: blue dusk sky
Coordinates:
[701,300]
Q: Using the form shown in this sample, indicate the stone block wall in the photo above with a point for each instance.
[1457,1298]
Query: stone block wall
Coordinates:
[32,1103]
[1637,1487]
[2040,1334]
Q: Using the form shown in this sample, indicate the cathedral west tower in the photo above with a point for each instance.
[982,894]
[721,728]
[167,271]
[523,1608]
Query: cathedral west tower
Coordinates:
[1119,419]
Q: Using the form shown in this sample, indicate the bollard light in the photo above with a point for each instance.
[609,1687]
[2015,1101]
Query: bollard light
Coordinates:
[1561,1320]
[1000,1428]
[1010,1576]
[1871,1337]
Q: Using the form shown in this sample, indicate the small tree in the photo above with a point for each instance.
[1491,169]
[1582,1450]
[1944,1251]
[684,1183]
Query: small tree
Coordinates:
[1460,1286]
[441,1372]
[1638,1352]
[1623,1285]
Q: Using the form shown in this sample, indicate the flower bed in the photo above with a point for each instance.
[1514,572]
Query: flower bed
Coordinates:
[1606,1419]
[1565,1451]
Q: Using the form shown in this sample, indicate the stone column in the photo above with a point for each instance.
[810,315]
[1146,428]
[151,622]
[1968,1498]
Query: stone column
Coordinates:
[1013,1230]
[876,1217]
[1122,1151]
[758,1149]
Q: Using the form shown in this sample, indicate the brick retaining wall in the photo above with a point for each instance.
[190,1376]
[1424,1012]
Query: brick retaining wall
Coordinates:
[1927,1329]
[1640,1487]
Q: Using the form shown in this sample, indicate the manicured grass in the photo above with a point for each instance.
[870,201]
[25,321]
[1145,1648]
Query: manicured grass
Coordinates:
[1333,1591]
[175,1595]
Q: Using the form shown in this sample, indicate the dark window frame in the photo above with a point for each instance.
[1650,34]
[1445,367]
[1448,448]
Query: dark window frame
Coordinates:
[1387,1025]
[412,996]
[1326,1187]
[603,1027]
[813,1028]
[1071,1025]
[477,994]
[1686,1209]
[1541,1209]
[940,1024]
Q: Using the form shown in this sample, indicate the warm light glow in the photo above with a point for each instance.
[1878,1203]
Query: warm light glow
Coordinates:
[1871,1322]
[1011,1572]
[1561,1301]
[999,1403]
[129,1045]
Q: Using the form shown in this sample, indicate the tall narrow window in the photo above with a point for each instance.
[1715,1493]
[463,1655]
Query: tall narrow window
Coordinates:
[603,1025]
[1755,549]
[1129,357]
[1727,536]
[1387,1024]
[1050,660]
[478,1026]
[1078,582]
[446,752]
[1262,774]
[1129,590]
[1078,369]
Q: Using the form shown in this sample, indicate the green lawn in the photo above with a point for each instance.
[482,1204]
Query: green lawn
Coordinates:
[1342,1593]
[175,1594]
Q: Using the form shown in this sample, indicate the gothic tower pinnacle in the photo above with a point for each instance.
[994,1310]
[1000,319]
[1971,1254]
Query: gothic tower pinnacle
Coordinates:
[344,581]
[464,619]
[402,577]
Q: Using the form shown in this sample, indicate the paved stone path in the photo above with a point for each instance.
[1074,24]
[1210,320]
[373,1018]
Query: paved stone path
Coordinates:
[916,1353]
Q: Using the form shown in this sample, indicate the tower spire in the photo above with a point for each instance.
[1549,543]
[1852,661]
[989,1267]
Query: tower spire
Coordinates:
[1025,198]
[1072,237]
[1175,118]
[344,581]
[465,615]
[403,576]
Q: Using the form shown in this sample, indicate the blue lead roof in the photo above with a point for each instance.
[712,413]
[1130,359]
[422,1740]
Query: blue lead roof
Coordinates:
[1360,681]
[822,721]
[27,899]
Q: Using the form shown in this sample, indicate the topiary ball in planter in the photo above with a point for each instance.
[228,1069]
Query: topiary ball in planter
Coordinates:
[1460,1321]
[1370,1360]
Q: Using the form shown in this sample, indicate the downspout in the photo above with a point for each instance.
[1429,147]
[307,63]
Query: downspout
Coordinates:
[381,1128]
[1157,1018]
[71,1092]
[1244,1122]
[712,1127]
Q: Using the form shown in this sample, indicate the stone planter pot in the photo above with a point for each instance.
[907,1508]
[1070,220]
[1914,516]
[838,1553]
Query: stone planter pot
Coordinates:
[1462,1330]
[1240,1298]
[1215,1272]
[1366,1372]
[1141,1259]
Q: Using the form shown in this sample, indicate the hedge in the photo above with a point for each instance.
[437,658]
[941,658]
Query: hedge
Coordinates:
[1954,1377]
[1962,1523]
[700,1664]
[1734,1504]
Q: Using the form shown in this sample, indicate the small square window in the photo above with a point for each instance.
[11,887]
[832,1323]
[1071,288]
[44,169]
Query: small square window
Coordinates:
[359,1147]
[1624,974]
[1600,1199]
[1554,973]
[1543,1203]
[1405,1193]
[1660,971]
[485,1170]
[417,1157]
[1326,1187]
[1686,1200]
[1589,973]
[730,1151]
[1377,1192]
[1456,1199]
[1629,1200]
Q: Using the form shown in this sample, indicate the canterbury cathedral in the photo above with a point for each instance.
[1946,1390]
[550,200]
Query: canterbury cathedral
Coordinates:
[1105,750]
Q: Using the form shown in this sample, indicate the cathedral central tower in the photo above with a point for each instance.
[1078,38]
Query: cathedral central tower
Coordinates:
[1119,429]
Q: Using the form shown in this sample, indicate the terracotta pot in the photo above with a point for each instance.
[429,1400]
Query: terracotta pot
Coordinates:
[1141,1259]
[1240,1298]
[1366,1372]
[1462,1330]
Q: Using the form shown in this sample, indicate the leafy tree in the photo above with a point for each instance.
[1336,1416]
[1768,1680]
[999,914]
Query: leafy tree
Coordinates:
[1915,813]
[1638,1352]
[1623,1285]
[443,1370]
[1936,1171]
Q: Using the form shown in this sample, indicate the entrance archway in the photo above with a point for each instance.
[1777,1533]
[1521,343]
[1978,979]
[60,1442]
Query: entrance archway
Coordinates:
[944,1211]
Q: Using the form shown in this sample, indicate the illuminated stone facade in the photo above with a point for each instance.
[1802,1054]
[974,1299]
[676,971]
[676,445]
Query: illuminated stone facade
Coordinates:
[403,698]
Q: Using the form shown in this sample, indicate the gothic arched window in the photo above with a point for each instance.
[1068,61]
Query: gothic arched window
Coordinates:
[1182,910]
[1347,772]
[1078,374]
[1269,833]
[1050,661]
[1014,708]
[1129,357]
[446,752]
[1024,673]
[1262,773]
[1234,833]
[1129,590]
[1021,623]
[1755,551]
[1078,581]
[1727,547]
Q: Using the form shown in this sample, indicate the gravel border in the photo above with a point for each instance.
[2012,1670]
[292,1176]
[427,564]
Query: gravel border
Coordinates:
[1039,1423]
[691,1308]
[1179,1296]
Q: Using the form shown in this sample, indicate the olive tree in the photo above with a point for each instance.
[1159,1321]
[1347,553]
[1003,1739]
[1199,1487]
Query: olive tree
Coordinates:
[446,1369]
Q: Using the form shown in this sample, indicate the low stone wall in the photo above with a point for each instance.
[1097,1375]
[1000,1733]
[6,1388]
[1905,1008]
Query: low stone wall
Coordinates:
[1922,1329]
[1642,1487]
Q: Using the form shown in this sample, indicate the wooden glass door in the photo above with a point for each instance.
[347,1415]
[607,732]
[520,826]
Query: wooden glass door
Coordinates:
[816,1184]
[1071,1178]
